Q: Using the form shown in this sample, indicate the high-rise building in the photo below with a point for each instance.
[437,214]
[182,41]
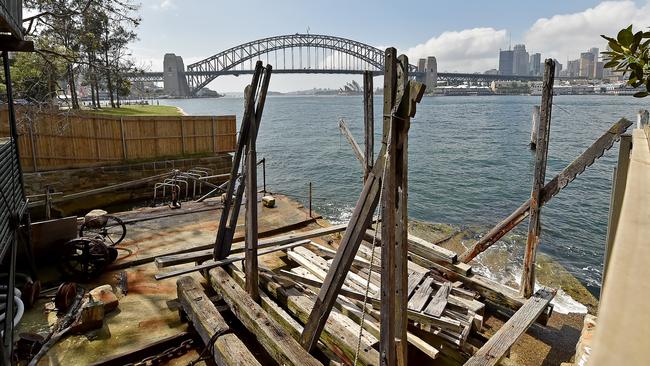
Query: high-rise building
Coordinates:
[520,60]
[535,64]
[587,65]
[598,72]
[595,51]
[573,68]
[505,62]
[558,67]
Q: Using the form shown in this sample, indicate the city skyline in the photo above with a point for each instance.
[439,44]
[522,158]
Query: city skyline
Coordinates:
[469,43]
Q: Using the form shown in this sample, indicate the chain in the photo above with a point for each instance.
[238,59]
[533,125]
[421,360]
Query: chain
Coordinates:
[166,355]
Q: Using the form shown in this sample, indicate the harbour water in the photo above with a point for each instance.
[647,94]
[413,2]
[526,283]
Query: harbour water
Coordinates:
[469,162]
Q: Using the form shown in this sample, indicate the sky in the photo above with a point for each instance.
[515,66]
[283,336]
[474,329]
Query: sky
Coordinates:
[465,36]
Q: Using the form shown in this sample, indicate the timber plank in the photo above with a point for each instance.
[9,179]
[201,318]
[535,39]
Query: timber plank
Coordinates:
[421,295]
[199,256]
[497,346]
[439,300]
[228,348]
[276,340]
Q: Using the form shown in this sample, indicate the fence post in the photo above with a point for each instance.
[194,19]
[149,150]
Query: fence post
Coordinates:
[124,152]
[534,127]
[310,199]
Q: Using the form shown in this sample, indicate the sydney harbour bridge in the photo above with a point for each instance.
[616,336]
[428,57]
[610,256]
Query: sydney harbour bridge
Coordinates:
[296,54]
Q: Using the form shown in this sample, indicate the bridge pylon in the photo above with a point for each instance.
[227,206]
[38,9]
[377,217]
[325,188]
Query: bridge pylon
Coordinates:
[175,82]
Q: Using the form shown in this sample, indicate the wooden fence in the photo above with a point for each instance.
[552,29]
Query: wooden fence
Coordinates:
[61,139]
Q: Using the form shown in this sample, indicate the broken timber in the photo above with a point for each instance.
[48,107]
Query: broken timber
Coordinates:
[227,348]
[497,346]
[283,348]
[539,177]
[368,123]
[355,147]
[360,221]
[200,256]
[551,188]
[223,262]
[231,206]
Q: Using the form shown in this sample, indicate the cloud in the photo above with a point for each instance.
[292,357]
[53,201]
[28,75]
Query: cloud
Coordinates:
[566,35]
[468,50]
[163,4]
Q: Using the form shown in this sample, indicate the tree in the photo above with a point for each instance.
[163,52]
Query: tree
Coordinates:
[630,53]
[92,38]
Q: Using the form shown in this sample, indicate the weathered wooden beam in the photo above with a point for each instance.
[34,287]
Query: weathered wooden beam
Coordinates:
[497,346]
[442,322]
[340,337]
[200,256]
[223,262]
[355,147]
[230,212]
[387,349]
[359,222]
[228,348]
[421,247]
[276,340]
[401,213]
[281,316]
[368,123]
[552,188]
[539,177]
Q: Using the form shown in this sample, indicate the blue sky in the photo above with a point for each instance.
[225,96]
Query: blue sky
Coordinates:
[463,35]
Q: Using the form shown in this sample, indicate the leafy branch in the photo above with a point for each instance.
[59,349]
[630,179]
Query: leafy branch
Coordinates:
[630,55]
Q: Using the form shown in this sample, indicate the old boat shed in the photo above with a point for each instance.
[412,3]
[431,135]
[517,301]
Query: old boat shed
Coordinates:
[198,283]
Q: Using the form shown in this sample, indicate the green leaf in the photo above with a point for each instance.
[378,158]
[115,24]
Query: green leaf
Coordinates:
[610,64]
[641,94]
[646,35]
[625,37]
[615,47]
[610,39]
[636,40]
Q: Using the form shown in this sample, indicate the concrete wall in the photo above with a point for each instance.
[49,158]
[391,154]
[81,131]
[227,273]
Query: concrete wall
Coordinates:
[84,179]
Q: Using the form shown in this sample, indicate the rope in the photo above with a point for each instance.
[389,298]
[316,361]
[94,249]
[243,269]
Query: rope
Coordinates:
[372,258]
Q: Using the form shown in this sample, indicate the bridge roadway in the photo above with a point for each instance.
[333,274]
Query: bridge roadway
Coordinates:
[448,76]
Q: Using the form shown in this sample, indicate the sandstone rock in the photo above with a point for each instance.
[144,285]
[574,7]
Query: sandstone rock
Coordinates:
[105,295]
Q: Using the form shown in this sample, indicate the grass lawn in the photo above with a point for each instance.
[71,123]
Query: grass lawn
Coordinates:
[138,110]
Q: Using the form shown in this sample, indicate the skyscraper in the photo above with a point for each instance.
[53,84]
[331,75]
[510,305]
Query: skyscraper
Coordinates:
[587,65]
[520,60]
[535,64]
[558,67]
[505,62]
[573,68]
[594,51]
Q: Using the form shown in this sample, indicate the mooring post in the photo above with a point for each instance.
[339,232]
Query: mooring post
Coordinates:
[642,118]
[264,174]
[387,349]
[252,285]
[310,199]
[368,123]
[534,127]
[532,242]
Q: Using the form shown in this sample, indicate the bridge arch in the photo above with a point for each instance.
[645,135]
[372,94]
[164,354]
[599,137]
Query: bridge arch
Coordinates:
[200,74]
